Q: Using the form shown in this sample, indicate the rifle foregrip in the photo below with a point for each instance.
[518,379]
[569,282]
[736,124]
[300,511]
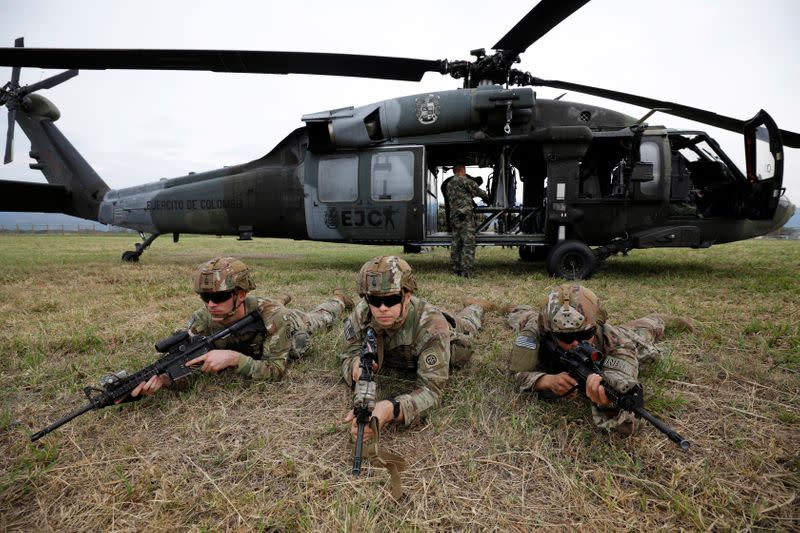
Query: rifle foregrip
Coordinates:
[359,447]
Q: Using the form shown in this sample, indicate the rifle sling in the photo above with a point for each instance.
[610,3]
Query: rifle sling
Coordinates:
[380,351]
[391,461]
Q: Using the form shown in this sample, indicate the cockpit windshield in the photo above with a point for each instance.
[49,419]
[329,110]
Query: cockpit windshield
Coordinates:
[697,147]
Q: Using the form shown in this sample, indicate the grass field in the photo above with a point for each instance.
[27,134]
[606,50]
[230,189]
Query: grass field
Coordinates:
[235,455]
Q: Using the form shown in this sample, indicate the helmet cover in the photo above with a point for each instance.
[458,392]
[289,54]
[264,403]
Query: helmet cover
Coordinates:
[223,274]
[383,275]
[570,308]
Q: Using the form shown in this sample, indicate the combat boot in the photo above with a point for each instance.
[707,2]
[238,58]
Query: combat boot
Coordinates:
[342,296]
[284,299]
[485,304]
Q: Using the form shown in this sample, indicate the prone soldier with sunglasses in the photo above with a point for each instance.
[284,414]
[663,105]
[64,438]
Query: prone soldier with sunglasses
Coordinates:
[417,342]
[223,284]
[573,314]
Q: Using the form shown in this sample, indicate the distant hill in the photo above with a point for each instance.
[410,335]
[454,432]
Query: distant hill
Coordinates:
[50,221]
[794,222]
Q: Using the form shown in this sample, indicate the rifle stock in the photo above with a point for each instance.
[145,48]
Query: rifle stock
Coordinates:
[178,348]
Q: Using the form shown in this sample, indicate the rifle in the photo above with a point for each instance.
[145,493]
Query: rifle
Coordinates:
[584,360]
[178,349]
[364,394]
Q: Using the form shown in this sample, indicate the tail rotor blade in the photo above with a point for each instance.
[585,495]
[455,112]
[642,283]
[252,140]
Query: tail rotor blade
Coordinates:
[9,157]
[49,83]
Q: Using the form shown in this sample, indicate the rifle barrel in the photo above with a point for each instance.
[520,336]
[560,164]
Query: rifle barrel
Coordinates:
[662,427]
[61,421]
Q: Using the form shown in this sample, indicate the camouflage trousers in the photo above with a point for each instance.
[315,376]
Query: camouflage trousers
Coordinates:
[462,247]
[304,324]
[468,322]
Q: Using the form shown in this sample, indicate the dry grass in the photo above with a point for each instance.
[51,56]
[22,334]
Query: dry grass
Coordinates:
[235,455]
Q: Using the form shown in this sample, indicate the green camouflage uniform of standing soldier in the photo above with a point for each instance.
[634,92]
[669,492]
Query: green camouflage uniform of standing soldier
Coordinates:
[571,314]
[460,191]
[262,353]
[418,343]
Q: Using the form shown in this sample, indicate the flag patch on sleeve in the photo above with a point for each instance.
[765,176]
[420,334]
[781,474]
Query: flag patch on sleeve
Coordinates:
[527,342]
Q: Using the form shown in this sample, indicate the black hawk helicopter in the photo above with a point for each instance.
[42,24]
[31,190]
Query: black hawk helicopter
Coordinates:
[571,183]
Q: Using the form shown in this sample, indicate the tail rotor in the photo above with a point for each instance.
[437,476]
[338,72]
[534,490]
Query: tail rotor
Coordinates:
[13,97]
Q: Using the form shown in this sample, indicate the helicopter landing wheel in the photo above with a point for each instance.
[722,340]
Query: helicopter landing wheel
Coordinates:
[529,254]
[130,257]
[571,260]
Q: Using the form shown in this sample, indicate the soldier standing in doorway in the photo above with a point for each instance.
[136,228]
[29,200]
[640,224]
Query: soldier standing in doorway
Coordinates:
[459,192]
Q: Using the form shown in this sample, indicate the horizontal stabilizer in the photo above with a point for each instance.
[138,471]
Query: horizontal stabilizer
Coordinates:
[35,197]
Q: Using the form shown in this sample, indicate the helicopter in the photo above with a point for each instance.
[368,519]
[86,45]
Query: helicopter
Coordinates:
[571,183]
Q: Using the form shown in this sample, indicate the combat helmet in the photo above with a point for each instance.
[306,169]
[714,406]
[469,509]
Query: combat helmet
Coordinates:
[570,308]
[223,274]
[386,274]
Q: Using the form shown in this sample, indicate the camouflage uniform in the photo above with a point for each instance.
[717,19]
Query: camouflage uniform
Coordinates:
[418,355]
[265,348]
[625,347]
[286,334]
[460,190]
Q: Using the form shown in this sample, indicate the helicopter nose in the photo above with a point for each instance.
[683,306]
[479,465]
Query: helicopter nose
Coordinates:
[783,213]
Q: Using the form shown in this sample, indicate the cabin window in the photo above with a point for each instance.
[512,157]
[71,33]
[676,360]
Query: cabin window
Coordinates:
[651,153]
[392,176]
[337,179]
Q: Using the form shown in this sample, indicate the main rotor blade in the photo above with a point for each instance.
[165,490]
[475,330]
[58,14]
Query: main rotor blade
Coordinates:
[9,155]
[19,42]
[49,83]
[248,61]
[544,16]
[790,138]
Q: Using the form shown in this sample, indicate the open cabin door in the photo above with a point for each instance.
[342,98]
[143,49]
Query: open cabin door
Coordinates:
[366,196]
[764,159]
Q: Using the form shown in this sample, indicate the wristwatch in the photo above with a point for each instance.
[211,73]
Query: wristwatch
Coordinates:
[395,407]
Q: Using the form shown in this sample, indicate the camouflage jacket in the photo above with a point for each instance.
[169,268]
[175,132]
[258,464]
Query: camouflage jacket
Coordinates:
[460,191]
[264,353]
[420,348]
[529,361]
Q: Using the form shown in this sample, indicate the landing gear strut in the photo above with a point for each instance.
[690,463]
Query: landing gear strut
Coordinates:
[133,256]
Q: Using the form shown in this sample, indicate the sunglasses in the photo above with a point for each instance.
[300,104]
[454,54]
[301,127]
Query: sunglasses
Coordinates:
[216,297]
[389,301]
[580,336]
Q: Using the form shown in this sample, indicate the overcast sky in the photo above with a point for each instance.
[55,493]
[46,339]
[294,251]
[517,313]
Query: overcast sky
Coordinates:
[732,58]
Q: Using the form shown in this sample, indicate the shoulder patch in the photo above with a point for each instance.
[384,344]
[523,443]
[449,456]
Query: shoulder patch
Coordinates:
[431,359]
[527,342]
[349,330]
